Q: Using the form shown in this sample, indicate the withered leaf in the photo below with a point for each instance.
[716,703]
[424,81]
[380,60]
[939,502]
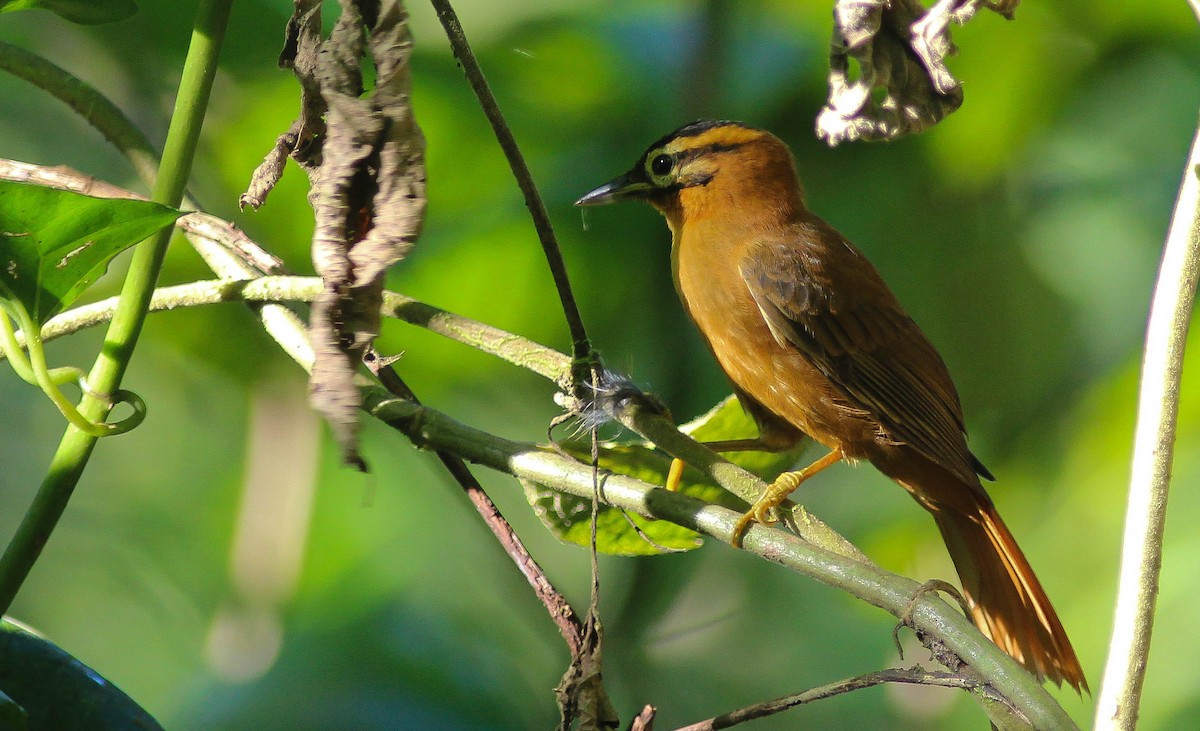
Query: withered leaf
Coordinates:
[365,157]
[902,84]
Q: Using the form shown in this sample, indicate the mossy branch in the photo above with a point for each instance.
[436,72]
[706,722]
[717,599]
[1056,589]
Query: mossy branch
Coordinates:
[430,428]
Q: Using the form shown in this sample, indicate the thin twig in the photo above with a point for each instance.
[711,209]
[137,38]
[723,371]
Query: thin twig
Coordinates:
[914,676]
[1153,453]
[581,347]
[561,612]
[644,721]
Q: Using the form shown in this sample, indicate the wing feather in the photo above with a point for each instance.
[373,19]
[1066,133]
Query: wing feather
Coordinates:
[837,311]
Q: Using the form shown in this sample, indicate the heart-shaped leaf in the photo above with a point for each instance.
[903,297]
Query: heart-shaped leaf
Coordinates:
[54,243]
[568,516]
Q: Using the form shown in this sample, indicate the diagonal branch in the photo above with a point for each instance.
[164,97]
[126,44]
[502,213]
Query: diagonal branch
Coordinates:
[914,676]
[933,619]
[561,612]
[93,106]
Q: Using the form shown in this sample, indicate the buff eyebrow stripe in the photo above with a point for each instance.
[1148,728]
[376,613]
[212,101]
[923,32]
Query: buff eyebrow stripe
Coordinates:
[694,152]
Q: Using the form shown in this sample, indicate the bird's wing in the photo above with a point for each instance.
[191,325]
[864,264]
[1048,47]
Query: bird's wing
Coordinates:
[832,306]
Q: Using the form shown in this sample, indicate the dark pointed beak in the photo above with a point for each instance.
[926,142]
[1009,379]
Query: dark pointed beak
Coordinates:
[617,189]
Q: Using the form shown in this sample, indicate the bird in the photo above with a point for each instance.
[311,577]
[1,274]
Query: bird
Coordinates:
[815,344]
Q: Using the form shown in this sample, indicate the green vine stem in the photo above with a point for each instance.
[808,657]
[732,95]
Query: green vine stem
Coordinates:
[76,446]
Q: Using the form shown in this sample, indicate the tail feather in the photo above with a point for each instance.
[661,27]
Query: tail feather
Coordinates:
[1006,599]
[1007,602]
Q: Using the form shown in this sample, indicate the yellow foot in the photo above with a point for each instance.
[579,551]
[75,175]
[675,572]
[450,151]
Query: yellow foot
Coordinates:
[760,511]
[675,474]
[777,492]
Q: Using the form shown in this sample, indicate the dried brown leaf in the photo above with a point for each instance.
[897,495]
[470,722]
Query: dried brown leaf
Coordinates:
[902,83]
[365,157]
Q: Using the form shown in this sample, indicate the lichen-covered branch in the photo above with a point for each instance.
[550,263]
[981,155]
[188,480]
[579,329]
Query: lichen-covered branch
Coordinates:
[942,626]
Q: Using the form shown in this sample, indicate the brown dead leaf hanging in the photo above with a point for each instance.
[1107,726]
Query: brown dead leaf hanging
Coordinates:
[364,155]
[902,84]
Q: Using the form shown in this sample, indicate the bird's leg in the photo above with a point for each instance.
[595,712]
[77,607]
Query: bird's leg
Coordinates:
[777,492]
[675,474]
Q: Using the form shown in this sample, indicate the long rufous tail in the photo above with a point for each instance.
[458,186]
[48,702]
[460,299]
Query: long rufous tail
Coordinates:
[1007,602]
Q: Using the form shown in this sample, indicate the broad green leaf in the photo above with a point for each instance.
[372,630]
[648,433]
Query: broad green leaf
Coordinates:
[54,243]
[568,516]
[58,691]
[84,12]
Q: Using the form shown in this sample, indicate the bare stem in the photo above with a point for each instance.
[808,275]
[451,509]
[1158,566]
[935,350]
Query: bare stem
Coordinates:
[560,610]
[915,676]
[1153,453]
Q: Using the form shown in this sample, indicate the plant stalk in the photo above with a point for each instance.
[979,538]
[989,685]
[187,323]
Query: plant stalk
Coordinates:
[75,448]
[1153,453]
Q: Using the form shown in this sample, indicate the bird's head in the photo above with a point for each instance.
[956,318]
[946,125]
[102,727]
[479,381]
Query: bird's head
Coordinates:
[706,162]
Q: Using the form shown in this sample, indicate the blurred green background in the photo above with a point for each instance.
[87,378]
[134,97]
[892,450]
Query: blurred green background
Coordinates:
[223,569]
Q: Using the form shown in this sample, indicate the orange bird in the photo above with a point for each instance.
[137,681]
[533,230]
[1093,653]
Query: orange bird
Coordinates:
[815,343]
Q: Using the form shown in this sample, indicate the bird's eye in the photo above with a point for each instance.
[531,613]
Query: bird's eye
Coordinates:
[661,165]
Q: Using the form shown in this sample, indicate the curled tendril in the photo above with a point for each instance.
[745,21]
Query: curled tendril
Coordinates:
[33,370]
[123,396]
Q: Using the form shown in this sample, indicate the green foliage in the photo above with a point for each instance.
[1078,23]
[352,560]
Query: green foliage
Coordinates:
[84,12]
[1076,118]
[617,533]
[621,534]
[12,716]
[55,243]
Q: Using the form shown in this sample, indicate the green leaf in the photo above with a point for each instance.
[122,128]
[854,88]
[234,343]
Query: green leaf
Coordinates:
[58,691]
[568,516]
[728,420]
[54,243]
[84,12]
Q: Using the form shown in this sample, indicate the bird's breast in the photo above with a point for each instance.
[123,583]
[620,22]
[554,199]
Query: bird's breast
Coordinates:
[778,377]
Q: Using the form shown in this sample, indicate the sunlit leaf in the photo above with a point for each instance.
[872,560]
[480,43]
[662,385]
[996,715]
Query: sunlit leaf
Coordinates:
[54,243]
[728,420]
[568,516]
[84,12]
[57,691]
